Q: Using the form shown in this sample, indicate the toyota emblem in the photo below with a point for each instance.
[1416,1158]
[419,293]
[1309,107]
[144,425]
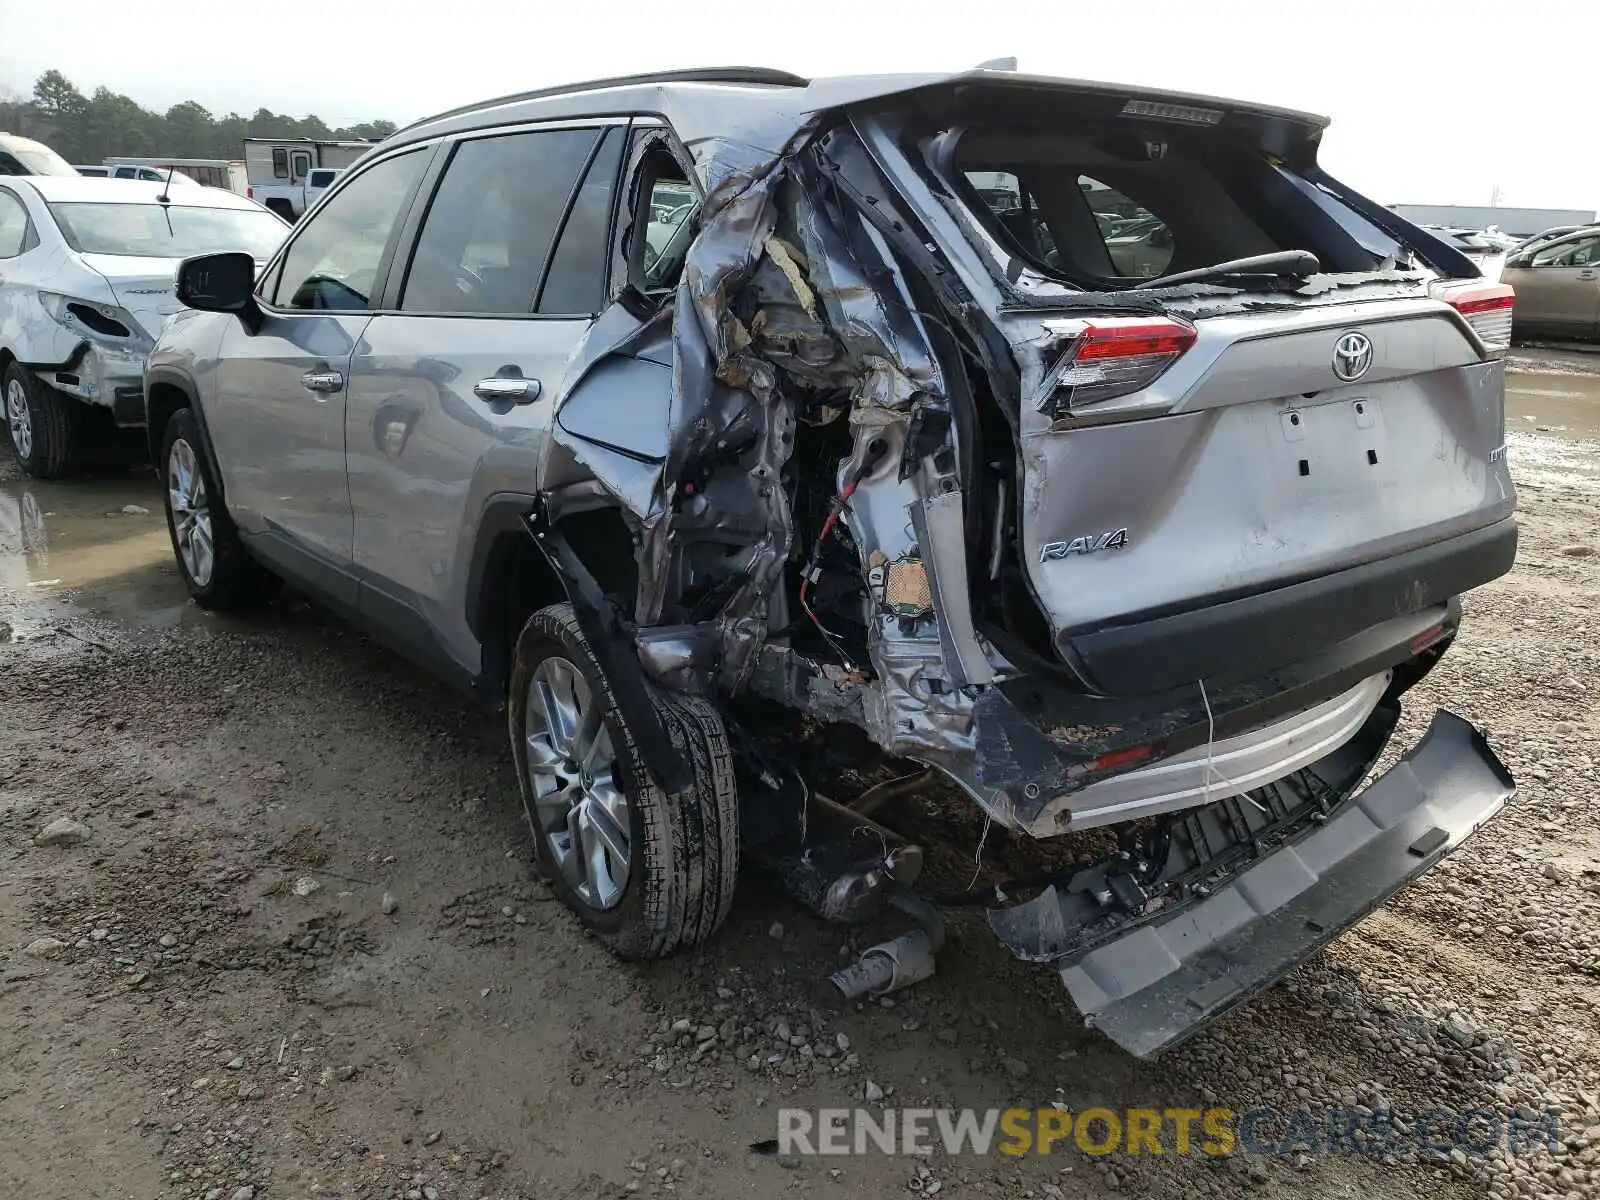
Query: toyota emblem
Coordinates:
[1352,356]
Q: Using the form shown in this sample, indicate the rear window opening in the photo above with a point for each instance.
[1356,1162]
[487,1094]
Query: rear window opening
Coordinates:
[1115,207]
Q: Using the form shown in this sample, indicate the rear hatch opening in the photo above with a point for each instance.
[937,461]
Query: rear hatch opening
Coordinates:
[1236,376]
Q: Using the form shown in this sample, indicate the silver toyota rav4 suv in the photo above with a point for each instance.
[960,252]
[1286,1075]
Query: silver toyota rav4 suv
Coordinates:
[1085,452]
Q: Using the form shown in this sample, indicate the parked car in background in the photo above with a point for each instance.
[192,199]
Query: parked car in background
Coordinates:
[211,172]
[866,468]
[24,156]
[1485,251]
[318,181]
[127,171]
[1549,235]
[279,170]
[86,280]
[1558,286]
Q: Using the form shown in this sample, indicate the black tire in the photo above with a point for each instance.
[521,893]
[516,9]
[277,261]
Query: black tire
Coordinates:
[236,581]
[50,418]
[684,848]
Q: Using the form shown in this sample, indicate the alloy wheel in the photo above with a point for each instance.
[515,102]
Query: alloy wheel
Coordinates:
[191,513]
[19,417]
[579,806]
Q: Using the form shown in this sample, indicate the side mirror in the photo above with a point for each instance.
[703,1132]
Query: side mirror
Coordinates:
[218,282]
[223,283]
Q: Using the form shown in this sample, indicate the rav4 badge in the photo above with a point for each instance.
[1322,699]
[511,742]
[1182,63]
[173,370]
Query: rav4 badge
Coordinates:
[1115,539]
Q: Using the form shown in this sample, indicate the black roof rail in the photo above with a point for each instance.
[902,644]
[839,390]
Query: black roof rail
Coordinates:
[754,75]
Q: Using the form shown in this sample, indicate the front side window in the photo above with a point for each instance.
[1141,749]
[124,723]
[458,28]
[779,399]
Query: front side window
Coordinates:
[166,230]
[13,226]
[334,258]
[493,221]
[1581,252]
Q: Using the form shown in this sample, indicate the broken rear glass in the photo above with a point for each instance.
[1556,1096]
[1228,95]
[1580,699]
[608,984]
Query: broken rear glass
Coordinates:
[1103,210]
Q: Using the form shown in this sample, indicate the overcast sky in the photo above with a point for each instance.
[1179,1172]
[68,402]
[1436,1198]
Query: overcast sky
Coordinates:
[1440,108]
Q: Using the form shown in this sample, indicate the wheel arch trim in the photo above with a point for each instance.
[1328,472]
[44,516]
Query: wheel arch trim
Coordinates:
[156,415]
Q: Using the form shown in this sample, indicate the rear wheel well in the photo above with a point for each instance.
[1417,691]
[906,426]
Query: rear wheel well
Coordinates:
[517,580]
[282,207]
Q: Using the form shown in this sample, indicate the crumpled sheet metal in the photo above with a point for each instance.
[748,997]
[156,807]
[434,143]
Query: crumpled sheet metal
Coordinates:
[787,302]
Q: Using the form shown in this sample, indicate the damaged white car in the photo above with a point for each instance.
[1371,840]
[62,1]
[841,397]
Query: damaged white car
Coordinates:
[1083,451]
[86,279]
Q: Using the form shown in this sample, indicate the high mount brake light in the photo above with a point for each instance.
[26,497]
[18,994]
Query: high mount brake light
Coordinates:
[1108,357]
[1487,307]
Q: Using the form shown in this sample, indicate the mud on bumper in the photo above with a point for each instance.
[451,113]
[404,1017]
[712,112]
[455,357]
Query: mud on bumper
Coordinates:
[1168,977]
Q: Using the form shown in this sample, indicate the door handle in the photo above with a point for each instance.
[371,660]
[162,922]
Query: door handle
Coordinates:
[322,381]
[503,387]
[1586,273]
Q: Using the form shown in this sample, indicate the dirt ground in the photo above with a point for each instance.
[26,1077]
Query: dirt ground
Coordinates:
[207,999]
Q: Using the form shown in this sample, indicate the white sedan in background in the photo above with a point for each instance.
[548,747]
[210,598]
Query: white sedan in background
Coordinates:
[86,282]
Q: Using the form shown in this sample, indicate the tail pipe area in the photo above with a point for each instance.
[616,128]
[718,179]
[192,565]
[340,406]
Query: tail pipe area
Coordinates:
[906,960]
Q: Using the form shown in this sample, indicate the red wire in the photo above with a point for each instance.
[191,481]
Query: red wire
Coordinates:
[827,528]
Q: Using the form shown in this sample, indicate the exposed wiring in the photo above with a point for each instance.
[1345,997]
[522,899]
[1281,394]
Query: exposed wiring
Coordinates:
[876,449]
[977,855]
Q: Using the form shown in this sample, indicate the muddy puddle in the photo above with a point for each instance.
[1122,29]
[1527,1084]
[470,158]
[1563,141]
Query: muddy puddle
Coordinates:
[86,560]
[1564,406]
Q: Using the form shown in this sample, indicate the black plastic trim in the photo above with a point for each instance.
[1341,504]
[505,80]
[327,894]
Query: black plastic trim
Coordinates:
[1014,751]
[331,584]
[613,649]
[1167,980]
[127,406]
[404,629]
[173,377]
[1443,258]
[1256,633]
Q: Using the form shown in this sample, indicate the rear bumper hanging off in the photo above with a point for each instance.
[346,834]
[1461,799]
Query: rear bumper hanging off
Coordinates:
[1167,979]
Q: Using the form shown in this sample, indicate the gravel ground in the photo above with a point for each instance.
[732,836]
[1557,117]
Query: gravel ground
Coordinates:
[269,928]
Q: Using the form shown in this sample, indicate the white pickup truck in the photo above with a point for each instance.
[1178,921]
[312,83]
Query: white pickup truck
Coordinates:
[288,174]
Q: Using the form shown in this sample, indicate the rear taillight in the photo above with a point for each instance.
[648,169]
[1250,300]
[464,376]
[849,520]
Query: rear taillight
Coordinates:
[249,192]
[1107,357]
[1487,308]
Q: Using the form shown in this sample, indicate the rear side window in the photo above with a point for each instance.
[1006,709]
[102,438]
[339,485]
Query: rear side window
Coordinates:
[575,284]
[334,258]
[280,164]
[14,227]
[494,219]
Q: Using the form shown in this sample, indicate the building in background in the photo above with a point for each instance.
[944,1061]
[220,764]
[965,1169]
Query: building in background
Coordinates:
[1523,222]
